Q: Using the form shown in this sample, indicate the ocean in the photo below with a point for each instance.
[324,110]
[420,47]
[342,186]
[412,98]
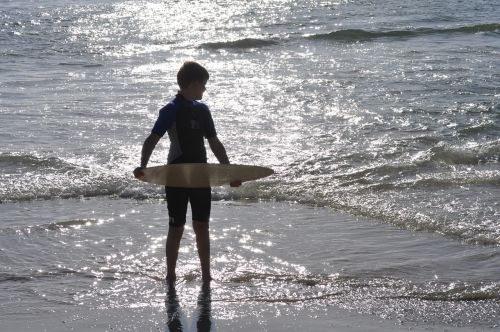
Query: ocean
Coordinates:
[381,120]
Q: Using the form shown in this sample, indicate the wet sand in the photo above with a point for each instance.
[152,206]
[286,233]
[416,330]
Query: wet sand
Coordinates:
[155,319]
[98,264]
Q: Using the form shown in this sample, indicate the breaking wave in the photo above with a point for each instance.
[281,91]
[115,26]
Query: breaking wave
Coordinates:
[28,177]
[364,191]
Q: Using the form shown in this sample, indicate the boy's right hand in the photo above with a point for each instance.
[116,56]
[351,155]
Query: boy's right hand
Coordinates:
[138,172]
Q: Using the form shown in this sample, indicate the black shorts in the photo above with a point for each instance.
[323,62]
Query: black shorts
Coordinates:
[177,201]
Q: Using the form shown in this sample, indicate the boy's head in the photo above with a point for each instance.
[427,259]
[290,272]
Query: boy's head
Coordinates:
[191,72]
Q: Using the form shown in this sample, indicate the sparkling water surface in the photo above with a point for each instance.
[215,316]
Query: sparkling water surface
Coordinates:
[386,111]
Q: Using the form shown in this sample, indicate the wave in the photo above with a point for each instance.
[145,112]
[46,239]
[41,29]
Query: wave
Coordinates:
[244,43]
[82,183]
[486,127]
[80,64]
[354,35]
[359,191]
[30,161]
[63,185]
[335,287]
[74,223]
[33,275]
[28,177]
[456,292]
[53,226]
[438,154]
[488,152]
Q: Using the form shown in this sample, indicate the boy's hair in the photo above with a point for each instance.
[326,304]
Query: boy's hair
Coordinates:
[191,72]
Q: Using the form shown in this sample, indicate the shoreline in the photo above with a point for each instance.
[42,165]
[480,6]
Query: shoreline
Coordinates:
[155,319]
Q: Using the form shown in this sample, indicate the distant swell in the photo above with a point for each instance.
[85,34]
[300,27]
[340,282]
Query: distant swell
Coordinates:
[354,35]
[240,43]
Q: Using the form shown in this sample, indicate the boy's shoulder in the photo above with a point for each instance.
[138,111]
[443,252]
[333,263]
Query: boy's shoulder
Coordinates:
[200,105]
[175,104]
[171,106]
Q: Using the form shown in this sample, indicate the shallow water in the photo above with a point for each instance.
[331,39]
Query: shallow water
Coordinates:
[109,254]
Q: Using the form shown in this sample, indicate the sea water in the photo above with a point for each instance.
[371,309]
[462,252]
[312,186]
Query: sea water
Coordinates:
[386,111]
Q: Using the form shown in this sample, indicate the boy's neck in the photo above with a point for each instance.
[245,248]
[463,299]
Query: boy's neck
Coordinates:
[186,95]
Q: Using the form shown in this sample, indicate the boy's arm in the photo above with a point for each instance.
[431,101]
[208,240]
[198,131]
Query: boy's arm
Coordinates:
[218,149]
[220,153]
[147,150]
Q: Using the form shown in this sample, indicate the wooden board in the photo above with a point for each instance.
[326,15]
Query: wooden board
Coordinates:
[203,175]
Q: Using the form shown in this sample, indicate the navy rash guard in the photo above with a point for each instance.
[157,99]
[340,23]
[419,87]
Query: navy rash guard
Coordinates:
[187,123]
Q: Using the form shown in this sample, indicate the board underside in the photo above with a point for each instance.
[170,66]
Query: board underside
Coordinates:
[203,175]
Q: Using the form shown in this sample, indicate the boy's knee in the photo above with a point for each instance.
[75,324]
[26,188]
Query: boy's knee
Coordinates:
[175,231]
[176,222]
[200,226]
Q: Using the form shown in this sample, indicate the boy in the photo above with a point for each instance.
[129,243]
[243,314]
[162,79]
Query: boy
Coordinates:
[187,122]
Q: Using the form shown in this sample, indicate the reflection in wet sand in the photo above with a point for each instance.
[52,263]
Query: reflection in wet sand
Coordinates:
[175,323]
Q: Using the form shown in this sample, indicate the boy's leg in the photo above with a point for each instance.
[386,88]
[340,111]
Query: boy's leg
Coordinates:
[172,250]
[177,200]
[201,230]
[201,200]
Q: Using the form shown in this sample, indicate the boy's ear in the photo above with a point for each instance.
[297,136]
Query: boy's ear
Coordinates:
[191,84]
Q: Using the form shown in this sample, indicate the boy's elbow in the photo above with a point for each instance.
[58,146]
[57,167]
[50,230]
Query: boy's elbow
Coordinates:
[218,149]
[215,144]
[152,139]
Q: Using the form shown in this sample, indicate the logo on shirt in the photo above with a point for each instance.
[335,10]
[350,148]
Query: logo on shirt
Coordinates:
[195,124]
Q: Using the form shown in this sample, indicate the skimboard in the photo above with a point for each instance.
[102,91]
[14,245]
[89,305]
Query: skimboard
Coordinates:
[202,175]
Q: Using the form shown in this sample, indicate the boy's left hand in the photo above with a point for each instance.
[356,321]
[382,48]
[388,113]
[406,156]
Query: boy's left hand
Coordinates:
[138,173]
[235,183]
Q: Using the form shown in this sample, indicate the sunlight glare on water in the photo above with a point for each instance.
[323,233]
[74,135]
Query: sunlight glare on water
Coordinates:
[382,109]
